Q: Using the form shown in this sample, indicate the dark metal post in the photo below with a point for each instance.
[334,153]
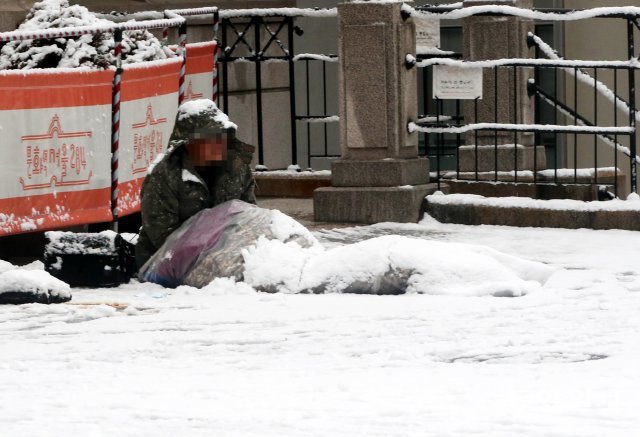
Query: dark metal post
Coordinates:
[632,107]
[615,137]
[308,104]
[595,123]
[292,96]
[225,69]
[258,57]
[495,117]
[324,106]
[515,121]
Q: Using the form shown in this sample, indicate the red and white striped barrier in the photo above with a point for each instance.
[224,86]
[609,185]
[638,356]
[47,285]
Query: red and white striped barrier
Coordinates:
[148,106]
[200,71]
[55,127]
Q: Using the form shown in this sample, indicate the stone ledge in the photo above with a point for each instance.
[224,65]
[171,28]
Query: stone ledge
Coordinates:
[379,173]
[369,205]
[294,185]
[470,214]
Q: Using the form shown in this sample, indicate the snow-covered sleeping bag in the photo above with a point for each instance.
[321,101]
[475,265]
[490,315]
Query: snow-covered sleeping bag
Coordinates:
[271,252]
[209,245]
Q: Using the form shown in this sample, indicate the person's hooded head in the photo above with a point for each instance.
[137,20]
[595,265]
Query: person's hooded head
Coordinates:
[204,131]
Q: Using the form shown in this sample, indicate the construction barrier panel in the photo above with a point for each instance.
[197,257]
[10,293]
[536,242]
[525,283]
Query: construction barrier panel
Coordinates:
[199,70]
[149,103]
[55,143]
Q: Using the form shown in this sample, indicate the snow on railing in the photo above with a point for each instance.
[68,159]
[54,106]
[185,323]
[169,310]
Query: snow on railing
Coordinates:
[279,12]
[195,11]
[523,62]
[21,35]
[315,57]
[604,12]
[328,119]
[413,127]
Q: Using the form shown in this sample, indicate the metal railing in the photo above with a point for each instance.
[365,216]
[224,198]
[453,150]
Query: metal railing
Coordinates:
[281,30]
[446,132]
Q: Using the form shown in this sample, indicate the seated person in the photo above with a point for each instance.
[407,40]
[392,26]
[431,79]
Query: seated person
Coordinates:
[205,165]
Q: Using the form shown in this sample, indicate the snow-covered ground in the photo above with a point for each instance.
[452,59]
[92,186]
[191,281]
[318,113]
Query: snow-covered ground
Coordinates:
[560,360]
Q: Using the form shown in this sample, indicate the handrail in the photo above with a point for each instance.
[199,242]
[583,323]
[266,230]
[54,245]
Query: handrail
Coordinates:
[512,11]
[532,88]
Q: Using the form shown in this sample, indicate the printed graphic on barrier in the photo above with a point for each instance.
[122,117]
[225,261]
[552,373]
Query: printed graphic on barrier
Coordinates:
[55,170]
[147,114]
[199,70]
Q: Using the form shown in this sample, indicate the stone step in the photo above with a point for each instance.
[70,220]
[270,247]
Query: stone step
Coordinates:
[565,184]
[467,210]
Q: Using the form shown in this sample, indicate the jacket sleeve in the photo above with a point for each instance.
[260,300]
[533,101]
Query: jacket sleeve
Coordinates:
[246,154]
[159,209]
[248,194]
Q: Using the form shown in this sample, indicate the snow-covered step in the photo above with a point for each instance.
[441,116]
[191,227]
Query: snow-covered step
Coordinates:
[472,209]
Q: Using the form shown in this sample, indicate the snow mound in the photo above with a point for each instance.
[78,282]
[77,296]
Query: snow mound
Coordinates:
[18,286]
[93,51]
[391,265]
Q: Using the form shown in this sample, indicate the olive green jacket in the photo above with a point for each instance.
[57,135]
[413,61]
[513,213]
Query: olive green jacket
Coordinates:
[173,191]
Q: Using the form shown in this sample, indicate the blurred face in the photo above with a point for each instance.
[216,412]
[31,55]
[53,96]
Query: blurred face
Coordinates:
[207,148]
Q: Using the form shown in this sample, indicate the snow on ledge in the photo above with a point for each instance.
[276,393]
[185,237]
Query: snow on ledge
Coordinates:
[632,204]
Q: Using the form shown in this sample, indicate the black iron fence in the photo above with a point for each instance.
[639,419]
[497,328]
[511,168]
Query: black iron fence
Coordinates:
[587,129]
[261,36]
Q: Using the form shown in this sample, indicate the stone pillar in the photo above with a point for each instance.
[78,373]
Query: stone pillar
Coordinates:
[379,176]
[495,37]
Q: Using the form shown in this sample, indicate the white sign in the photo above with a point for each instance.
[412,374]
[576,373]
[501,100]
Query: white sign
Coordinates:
[452,83]
[427,34]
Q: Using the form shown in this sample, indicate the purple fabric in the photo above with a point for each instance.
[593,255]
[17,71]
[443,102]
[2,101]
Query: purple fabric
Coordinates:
[172,261]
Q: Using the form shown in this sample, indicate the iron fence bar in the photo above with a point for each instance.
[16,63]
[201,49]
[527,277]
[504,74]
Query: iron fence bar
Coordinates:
[595,122]
[583,121]
[575,121]
[425,106]
[475,120]
[555,119]
[258,67]
[615,123]
[216,54]
[632,107]
[308,104]
[458,139]
[440,104]
[274,38]
[537,116]
[240,37]
[324,105]
[292,95]
[495,117]
[515,120]
[225,69]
